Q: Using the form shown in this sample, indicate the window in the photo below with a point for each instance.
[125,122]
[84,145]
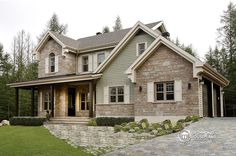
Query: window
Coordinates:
[84,101]
[85,63]
[141,48]
[52,62]
[47,101]
[116,94]
[101,58]
[165,91]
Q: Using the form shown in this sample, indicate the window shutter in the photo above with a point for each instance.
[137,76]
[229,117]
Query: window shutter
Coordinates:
[46,64]
[79,64]
[106,95]
[150,92]
[126,94]
[95,61]
[56,63]
[178,90]
[90,61]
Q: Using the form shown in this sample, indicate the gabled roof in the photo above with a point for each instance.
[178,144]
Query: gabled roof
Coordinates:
[138,26]
[198,66]
[106,40]
[64,41]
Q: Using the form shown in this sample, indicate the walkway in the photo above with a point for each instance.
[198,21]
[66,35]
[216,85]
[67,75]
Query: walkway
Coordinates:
[210,136]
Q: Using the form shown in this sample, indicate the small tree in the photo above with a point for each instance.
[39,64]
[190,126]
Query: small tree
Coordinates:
[106,29]
[55,26]
[118,25]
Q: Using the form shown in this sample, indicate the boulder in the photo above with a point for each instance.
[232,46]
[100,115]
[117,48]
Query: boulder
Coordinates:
[5,122]
[0,124]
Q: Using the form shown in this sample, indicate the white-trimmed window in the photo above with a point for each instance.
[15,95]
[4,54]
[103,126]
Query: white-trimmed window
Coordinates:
[100,57]
[52,62]
[47,100]
[164,91]
[140,48]
[84,101]
[116,94]
[85,63]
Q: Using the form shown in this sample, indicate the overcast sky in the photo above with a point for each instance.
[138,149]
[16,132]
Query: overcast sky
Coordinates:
[192,21]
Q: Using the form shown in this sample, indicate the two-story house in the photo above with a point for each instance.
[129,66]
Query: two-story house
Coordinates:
[135,72]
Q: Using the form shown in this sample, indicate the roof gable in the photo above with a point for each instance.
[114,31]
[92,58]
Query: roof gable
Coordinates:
[138,26]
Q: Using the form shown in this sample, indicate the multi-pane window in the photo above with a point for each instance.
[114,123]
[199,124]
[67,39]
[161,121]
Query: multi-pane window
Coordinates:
[101,58]
[84,101]
[116,94]
[165,91]
[47,101]
[141,48]
[52,62]
[85,63]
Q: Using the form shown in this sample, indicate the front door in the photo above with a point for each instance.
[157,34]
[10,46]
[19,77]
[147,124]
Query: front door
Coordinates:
[71,101]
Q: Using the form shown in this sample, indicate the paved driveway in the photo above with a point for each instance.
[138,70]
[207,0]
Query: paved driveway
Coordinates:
[208,137]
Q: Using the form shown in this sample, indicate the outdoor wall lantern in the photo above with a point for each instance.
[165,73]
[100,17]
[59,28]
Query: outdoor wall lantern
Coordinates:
[189,86]
[140,88]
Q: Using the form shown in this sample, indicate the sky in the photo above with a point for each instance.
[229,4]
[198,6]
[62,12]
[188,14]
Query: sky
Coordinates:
[192,21]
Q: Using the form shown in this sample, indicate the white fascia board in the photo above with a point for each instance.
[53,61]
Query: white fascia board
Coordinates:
[196,63]
[127,37]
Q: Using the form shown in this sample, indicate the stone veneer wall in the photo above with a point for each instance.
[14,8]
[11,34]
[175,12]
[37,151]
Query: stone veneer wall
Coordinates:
[166,65]
[116,110]
[66,64]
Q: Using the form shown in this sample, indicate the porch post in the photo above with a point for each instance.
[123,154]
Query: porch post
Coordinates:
[32,101]
[221,102]
[212,99]
[91,99]
[17,101]
[52,100]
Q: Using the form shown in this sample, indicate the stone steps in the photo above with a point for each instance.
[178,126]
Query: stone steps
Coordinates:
[69,120]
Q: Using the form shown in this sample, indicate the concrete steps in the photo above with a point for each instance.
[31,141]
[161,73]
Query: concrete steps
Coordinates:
[69,120]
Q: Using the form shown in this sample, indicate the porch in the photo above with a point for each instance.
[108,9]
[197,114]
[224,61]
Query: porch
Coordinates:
[71,97]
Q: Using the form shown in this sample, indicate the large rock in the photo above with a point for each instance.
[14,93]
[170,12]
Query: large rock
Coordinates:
[0,124]
[5,122]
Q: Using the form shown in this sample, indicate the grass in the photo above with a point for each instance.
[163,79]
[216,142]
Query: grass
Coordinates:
[33,141]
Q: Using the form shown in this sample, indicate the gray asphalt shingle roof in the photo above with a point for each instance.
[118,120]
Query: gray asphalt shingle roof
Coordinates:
[96,41]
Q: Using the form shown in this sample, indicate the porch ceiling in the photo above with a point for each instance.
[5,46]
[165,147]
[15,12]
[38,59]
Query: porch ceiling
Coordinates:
[55,80]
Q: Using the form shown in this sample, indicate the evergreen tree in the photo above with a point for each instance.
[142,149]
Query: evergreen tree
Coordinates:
[189,48]
[106,29]
[55,26]
[118,25]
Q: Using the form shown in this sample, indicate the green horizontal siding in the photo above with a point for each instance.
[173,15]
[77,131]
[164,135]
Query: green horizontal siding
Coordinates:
[114,74]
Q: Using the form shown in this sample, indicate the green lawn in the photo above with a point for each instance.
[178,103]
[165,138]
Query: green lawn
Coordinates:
[33,141]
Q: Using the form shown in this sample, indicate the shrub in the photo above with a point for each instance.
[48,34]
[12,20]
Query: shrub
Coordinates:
[195,118]
[178,127]
[111,121]
[117,128]
[27,121]
[167,124]
[181,121]
[92,122]
[188,119]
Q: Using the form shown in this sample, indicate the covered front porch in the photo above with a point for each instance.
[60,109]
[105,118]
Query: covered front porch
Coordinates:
[62,97]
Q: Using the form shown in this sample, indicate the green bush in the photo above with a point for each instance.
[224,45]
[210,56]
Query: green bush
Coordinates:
[92,122]
[178,127]
[27,121]
[117,128]
[188,119]
[167,124]
[195,118]
[111,121]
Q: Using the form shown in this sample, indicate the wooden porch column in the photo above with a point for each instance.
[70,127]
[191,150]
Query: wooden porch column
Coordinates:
[17,101]
[52,100]
[32,101]
[212,99]
[221,102]
[91,99]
